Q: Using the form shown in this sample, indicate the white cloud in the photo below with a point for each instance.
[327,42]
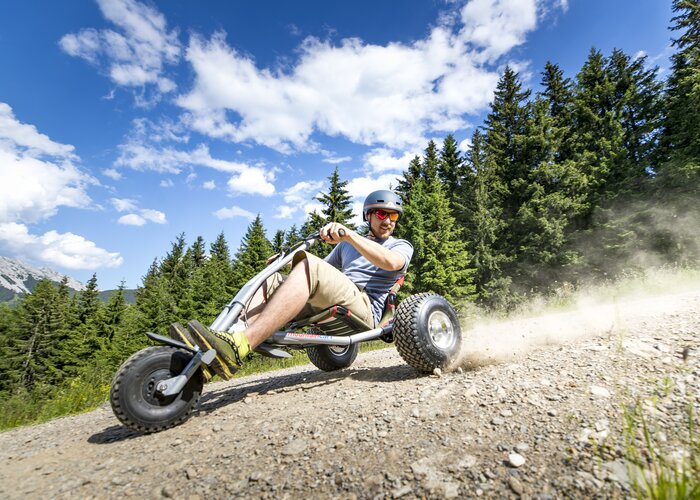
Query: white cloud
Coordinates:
[393,95]
[131,220]
[37,175]
[252,180]
[153,216]
[112,173]
[360,187]
[133,56]
[247,179]
[381,160]
[496,26]
[302,191]
[123,204]
[167,183]
[337,160]
[209,185]
[66,250]
[138,216]
[286,211]
[234,211]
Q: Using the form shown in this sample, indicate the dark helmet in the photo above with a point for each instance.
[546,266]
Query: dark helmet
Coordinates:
[382,199]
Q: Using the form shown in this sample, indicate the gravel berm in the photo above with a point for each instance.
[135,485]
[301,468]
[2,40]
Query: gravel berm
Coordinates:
[535,410]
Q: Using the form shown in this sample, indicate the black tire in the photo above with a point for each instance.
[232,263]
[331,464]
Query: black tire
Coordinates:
[331,357]
[134,399]
[420,344]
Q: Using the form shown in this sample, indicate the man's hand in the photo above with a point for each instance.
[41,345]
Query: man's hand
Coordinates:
[330,233]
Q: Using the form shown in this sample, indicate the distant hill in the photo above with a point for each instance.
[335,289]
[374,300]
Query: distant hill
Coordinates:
[19,278]
[129,295]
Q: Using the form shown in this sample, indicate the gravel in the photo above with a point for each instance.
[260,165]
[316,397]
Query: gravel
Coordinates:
[537,419]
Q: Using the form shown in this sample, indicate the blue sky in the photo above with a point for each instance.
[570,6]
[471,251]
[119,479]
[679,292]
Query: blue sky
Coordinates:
[124,123]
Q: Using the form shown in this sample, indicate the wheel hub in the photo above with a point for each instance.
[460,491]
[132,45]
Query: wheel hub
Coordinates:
[338,350]
[440,328]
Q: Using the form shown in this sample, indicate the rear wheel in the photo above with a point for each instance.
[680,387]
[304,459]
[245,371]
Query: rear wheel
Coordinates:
[427,332]
[331,357]
[135,399]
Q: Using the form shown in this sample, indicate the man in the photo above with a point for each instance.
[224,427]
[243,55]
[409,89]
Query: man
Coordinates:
[357,274]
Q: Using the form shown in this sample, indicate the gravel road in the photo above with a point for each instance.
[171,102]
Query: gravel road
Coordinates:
[535,410]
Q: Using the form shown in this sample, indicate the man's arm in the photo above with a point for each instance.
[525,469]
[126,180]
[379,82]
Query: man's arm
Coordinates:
[381,257]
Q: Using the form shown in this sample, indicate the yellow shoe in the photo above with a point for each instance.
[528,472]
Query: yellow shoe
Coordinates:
[179,333]
[231,348]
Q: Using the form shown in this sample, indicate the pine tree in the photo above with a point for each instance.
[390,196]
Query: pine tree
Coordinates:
[153,301]
[410,176]
[337,207]
[451,170]
[680,170]
[221,258]
[440,259]
[278,241]
[36,349]
[175,270]
[430,163]
[197,254]
[292,237]
[337,203]
[252,254]
[480,214]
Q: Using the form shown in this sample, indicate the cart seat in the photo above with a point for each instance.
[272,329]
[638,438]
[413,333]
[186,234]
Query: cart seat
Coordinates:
[338,320]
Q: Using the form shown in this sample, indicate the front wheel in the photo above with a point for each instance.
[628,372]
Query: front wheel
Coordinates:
[427,332]
[330,357]
[134,396]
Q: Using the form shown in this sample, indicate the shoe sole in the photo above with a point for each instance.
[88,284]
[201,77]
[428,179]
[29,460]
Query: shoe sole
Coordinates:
[220,367]
[179,333]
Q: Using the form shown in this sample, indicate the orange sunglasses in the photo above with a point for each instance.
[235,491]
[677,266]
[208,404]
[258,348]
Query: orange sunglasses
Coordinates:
[381,215]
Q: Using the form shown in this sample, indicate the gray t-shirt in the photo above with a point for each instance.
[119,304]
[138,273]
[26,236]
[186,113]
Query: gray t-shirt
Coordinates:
[375,281]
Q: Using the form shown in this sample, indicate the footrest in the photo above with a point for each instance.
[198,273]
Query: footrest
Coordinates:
[272,352]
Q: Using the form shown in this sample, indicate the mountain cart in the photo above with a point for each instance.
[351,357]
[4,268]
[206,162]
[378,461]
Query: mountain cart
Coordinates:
[159,386]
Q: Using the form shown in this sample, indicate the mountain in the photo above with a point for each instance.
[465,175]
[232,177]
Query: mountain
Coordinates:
[19,278]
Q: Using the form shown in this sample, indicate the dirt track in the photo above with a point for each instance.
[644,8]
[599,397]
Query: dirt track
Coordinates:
[536,411]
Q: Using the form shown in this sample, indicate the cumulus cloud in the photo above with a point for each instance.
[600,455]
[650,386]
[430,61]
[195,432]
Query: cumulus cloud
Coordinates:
[297,198]
[138,216]
[138,154]
[136,53]
[234,211]
[381,160]
[393,95]
[37,175]
[209,185]
[65,250]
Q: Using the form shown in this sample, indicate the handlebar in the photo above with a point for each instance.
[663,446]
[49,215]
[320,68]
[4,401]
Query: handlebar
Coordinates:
[317,235]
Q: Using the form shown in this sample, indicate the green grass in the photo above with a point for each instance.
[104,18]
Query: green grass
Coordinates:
[44,403]
[91,389]
[657,472]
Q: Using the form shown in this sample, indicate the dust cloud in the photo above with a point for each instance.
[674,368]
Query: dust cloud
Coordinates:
[596,314]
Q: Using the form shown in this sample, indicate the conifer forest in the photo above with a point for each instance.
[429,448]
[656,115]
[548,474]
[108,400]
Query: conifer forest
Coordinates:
[584,178]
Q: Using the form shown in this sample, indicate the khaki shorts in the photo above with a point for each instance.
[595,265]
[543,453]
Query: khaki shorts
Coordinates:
[328,287]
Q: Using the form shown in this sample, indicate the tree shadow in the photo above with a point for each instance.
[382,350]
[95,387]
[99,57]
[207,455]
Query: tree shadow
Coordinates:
[213,399]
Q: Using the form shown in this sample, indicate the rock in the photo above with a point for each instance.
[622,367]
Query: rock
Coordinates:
[294,447]
[515,485]
[600,392]
[402,491]
[521,447]
[437,372]
[516,460]
[617,471]
[497,421]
